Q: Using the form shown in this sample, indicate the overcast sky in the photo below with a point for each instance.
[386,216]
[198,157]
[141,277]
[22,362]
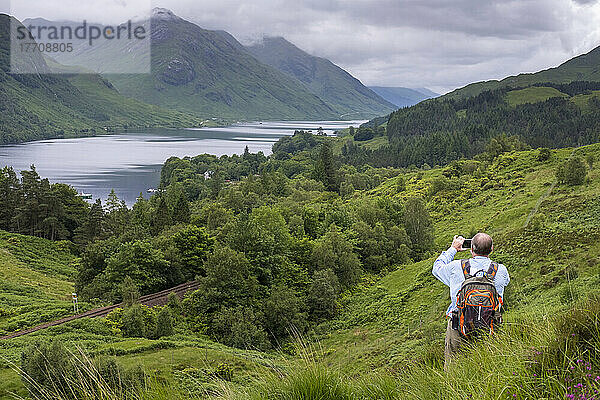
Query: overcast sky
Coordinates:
[439,44]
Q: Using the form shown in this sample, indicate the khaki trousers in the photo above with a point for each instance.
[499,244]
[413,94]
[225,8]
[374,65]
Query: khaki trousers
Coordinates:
[452,345]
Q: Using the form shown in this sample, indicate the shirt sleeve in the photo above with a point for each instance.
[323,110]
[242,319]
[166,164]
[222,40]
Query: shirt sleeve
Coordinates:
[502,280]
[441,266]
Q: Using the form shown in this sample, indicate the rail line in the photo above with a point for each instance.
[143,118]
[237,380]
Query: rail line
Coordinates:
[150,300]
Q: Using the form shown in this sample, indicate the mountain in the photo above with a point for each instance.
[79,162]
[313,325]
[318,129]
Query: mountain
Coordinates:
[45,105]
[209,73]
[343,92]
[403,97]
[585,67]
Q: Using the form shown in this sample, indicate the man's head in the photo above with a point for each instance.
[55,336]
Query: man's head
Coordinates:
[482,245]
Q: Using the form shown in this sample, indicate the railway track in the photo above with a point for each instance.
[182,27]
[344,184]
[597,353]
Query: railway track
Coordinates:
[150,300]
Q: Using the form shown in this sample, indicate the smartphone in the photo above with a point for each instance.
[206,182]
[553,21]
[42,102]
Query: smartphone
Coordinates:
[467,243]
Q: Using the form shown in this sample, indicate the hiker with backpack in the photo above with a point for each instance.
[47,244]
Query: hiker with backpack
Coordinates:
[476,291]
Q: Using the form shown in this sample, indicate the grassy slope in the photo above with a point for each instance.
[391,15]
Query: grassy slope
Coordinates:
[532,95]
[36,282]
[400,318]
[581,68]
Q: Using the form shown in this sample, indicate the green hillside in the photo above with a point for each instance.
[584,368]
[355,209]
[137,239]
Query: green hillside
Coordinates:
[580,68]
[344,93]
[204,72]
[553,261]
[533,94]
[440,130]
[388,337]
[46,106]
[36,286]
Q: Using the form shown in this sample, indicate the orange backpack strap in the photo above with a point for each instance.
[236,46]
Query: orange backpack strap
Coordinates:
[491,273]
[466,268]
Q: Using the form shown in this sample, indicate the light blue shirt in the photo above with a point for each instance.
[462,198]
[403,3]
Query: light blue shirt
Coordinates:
[449,272]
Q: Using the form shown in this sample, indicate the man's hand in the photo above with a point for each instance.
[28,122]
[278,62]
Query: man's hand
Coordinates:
[458,242]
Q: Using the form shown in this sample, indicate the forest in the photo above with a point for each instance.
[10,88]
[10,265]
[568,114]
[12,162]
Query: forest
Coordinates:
[438,131]
[274,241]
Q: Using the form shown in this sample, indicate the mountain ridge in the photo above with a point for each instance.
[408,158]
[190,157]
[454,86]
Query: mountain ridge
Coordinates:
[325,79]
[45,105]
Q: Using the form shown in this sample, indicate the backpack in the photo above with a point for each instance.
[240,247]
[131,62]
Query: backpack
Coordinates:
[478,302]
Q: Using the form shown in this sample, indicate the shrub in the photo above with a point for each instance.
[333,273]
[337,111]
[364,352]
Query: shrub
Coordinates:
[323,294]
[240,327]
[543,154]
[572,171]
[133,324]
[174,303]
[45,367]
[590,159]
[164,323]
[50,371]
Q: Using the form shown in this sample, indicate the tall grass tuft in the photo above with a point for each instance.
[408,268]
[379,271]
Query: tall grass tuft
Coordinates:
[82,378]
[553,358]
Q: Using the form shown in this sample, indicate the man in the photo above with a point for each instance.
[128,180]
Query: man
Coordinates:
[451,273]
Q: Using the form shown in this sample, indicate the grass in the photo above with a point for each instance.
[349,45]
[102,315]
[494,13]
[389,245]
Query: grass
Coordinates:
[35,281]
[532,95]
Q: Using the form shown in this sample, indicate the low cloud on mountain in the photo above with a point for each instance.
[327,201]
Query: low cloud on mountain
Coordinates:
[433,43]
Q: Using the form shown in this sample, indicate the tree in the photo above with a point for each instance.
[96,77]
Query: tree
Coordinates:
[129,292]
[192,246]
[333,251]
[419,227]
[133,322]
[364,134]
[240,327]
[10,196]
[323,294]
[164,323]
[117,214]
[144,264]
[161,218]
[572,172]
[181,210]
[325,169]
[228,283]
[284,312]
[93,227]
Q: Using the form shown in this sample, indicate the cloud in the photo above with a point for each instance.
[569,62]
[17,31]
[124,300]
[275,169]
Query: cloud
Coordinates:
[434,43]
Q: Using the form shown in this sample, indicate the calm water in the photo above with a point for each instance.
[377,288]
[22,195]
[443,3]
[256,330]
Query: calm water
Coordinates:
[130,162]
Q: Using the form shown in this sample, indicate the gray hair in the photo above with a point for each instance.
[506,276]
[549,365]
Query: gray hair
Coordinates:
[482,244]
